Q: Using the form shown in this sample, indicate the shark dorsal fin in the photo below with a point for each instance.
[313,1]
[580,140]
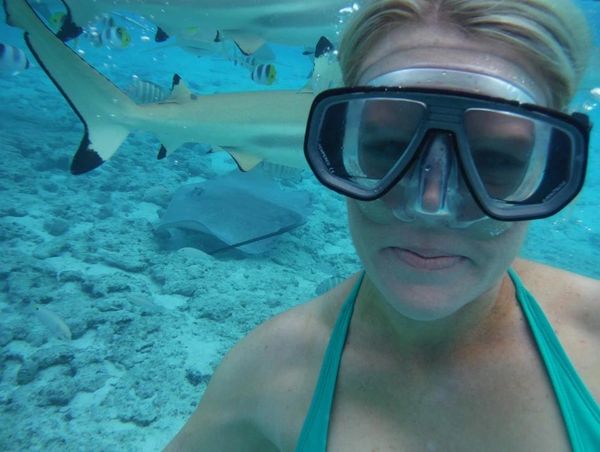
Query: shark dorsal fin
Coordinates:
[161,35]
[323,46]
[326,70]
[179,91]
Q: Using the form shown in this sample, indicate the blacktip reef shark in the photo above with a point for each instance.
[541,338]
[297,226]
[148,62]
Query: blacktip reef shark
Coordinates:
[250,23]
[251,126]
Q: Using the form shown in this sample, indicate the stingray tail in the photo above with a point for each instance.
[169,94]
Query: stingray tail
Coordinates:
[106,112]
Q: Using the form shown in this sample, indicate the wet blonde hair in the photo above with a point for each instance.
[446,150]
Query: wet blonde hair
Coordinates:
[552,34]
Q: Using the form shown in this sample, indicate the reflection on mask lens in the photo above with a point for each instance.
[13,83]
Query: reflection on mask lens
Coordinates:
[509,152]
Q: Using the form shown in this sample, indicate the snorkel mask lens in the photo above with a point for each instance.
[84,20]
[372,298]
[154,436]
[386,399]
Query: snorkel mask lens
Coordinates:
[444,155]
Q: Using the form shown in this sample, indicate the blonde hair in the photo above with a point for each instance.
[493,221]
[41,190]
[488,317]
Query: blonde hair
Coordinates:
[552,34]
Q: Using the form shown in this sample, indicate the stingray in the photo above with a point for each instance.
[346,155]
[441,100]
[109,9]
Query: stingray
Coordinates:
[243,211]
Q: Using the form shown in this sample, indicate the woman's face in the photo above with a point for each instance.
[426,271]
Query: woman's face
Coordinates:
[427,270]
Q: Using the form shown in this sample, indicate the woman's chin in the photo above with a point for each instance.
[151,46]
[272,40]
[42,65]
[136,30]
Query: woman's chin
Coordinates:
[428,308]
[425,294]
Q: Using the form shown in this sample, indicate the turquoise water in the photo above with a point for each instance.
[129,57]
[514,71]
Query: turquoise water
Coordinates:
[149,320]
[570,239]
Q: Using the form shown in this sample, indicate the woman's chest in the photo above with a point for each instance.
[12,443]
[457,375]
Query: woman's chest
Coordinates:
[435,420]
[502,403]
[506,404]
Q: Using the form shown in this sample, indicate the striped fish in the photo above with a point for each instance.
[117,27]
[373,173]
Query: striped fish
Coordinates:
[281,172]
[146,92]
[108,34]
[12,59]
[231,51]
[265,74]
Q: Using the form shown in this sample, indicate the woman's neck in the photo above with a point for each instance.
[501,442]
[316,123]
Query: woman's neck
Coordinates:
[377,320]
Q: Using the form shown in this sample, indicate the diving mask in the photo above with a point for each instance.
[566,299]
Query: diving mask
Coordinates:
[445,154]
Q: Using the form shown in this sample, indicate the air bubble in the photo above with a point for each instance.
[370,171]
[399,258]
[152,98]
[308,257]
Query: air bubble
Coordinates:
[589,106]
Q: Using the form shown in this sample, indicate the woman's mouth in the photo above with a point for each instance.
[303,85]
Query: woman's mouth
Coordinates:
[427,259]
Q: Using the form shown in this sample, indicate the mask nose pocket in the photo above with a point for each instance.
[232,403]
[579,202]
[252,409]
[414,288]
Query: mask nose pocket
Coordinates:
[434,171]
[433,187]
[432,179]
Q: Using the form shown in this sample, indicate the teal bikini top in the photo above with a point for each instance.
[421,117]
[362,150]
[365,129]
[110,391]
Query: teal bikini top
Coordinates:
[581,413]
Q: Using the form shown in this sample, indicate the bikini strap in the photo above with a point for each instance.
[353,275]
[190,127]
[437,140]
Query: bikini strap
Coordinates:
[580,411]
[313,437]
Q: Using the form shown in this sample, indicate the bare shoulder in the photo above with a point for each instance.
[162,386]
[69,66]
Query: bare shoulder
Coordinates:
[574,295]
[571,303]
[265,381]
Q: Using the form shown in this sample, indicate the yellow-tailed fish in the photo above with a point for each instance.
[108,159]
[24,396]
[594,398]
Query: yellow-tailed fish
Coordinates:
[265,74]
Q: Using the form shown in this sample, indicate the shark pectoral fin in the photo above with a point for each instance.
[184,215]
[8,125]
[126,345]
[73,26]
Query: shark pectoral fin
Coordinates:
[245,162]
[98,145]
[168,144]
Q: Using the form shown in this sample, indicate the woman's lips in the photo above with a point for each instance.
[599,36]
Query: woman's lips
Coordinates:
[427,259]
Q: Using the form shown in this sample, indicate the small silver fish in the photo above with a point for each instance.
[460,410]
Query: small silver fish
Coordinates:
[12,59]
[53,323]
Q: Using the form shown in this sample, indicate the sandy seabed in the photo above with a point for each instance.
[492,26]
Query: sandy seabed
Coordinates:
[148,324]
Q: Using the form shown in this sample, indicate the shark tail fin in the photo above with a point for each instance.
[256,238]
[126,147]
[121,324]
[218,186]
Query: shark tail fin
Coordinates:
[101,106]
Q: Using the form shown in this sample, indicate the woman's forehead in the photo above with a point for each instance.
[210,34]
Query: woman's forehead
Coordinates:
[447,48]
